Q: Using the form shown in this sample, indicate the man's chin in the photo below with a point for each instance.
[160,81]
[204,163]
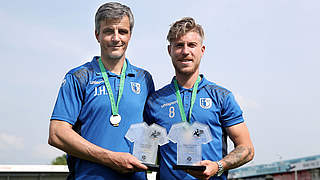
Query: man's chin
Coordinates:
[116,56]
[186,72]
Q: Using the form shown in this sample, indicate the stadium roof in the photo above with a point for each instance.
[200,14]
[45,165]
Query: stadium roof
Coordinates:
[298,164]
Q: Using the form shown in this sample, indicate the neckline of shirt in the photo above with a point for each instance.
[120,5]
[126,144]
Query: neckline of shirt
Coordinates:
[96,68]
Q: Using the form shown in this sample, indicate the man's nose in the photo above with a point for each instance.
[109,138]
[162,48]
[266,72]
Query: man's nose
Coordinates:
[116,36]
[185,50]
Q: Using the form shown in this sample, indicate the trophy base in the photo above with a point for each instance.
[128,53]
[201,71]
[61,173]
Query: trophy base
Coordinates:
[152,167]
[189,167]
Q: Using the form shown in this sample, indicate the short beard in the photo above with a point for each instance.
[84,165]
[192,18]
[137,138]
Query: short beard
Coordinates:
[186,73]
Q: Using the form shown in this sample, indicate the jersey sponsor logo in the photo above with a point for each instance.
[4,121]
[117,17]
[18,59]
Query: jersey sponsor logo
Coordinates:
[101,90]
[135,87]
[205,103]
[96,82]
[169,104]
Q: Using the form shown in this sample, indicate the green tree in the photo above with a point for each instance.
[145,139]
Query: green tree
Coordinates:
[61,160]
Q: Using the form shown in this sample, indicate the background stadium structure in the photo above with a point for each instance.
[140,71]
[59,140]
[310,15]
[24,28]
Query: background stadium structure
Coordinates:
[307,168]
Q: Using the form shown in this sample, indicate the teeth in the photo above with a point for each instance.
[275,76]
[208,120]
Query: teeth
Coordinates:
[116,45]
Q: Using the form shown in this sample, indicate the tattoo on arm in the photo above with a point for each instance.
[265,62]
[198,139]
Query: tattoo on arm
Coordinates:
[239,156]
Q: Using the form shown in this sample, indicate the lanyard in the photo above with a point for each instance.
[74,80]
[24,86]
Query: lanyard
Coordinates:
[193,99]
[114,107]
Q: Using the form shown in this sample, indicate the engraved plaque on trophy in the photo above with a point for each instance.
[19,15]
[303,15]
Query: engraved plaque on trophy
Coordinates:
[146,140]
[189,139]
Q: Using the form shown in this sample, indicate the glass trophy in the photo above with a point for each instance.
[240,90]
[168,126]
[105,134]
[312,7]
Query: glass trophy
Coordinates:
[146,140]
[189,139]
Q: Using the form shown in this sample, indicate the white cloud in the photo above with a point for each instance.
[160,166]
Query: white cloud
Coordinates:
[8,141]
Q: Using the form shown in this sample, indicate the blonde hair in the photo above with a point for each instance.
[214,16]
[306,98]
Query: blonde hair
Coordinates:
[183,26]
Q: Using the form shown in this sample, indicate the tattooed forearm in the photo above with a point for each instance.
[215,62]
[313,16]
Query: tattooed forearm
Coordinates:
[239,156]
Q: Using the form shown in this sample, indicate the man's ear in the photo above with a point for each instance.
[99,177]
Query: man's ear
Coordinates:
[169,49]
[97,36]
[203,48]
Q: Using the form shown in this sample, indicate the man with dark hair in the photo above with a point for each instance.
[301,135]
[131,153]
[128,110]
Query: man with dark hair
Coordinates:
[98,102]
[191,98]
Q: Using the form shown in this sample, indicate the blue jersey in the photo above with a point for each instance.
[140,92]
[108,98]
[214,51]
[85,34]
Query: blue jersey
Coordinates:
[214,106]
[83,101]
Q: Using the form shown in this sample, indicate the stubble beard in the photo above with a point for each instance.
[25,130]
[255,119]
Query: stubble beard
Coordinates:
[187,73]
[115,57]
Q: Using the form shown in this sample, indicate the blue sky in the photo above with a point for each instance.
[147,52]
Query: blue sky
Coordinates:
[266,52]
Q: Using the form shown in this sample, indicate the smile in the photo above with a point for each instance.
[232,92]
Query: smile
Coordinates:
[116,46]
[185,60]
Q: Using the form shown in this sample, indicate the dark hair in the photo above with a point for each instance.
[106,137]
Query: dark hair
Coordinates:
[113,10]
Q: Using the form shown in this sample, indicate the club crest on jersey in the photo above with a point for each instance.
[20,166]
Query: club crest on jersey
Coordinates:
[205,103]
[135,87]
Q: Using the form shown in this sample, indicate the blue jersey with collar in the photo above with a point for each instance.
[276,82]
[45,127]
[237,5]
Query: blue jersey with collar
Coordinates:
[214,106]
[83,101]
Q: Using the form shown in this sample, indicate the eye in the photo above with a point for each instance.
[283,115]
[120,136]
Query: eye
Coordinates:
[179,45]
[108,31]
[192,44]
[123,31]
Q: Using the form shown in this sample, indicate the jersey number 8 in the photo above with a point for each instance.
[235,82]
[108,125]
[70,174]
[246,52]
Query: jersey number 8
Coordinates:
[171,112]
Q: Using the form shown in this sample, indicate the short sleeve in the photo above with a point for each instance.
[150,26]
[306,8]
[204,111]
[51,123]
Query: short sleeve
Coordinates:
[69,101]
[147,113]
[150,83]
[231,112]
